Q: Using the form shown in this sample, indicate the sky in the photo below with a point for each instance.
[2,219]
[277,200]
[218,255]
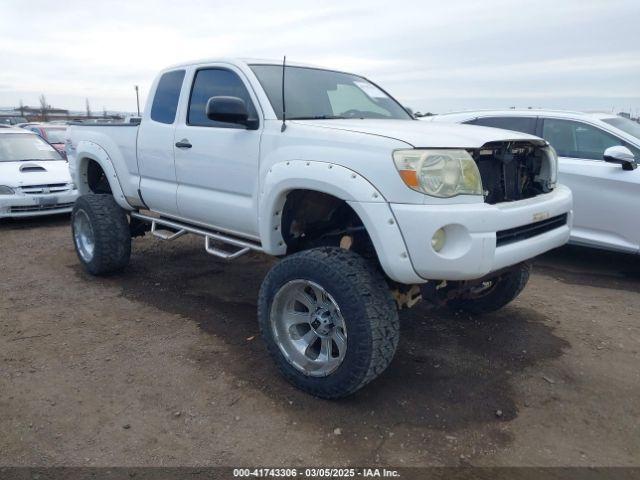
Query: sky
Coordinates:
[433,56]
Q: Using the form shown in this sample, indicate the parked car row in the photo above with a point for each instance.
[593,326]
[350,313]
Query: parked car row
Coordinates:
[54,133]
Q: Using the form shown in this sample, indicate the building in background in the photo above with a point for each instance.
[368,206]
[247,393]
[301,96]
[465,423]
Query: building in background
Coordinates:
[25,113]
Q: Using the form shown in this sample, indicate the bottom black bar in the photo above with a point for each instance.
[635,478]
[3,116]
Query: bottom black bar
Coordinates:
[206,473]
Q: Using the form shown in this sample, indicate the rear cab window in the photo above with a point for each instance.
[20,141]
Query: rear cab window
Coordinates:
[165,100]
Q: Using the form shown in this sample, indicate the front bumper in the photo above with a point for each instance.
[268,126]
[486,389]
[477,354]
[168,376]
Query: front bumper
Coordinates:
[470,249]
[23,205]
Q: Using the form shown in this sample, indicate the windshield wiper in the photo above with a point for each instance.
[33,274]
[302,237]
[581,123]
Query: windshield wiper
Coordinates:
[318,117]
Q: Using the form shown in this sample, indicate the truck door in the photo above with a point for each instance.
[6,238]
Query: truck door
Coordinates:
[156,162]
[217,162]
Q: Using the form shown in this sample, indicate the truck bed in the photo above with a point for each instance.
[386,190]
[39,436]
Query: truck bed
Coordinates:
[117,141]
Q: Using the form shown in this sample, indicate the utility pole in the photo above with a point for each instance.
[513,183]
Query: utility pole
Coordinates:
[86,100]
[137,99]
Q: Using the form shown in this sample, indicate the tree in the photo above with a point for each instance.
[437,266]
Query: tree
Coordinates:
[88,107]
[44,107]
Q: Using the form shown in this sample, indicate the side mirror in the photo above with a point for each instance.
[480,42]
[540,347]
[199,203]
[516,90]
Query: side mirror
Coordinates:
[621,155]
[230,110]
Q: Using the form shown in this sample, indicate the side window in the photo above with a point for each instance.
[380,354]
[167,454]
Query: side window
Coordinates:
[165,101]
[518,124]
[577,139]
[215,82]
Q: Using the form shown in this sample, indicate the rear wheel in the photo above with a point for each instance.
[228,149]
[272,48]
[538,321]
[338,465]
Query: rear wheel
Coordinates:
[101,234]
[329,321]
[494,293]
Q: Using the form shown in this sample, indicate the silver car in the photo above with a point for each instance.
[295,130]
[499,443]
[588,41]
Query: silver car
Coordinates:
[597,159]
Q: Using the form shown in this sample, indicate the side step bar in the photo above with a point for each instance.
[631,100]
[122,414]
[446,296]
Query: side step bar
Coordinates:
[242,246]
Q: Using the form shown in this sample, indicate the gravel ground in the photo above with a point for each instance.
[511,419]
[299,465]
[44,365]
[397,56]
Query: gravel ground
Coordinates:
[163,365]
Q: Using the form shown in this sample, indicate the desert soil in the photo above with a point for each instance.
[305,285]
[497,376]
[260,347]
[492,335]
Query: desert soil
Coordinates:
[163,365]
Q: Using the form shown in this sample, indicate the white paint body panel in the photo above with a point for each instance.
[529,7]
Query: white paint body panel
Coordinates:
[470,250]
[114,148]
[237,180]
[218,177]
[603,193]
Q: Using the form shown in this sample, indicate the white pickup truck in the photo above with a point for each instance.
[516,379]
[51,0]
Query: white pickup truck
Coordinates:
[367,207]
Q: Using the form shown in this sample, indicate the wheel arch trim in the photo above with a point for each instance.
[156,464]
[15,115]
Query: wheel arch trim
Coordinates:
[89,151]
[342,183]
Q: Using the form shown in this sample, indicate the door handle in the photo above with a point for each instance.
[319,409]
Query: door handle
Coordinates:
[184,143]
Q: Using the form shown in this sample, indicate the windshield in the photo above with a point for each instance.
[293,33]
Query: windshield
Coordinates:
[55,135]
[624,124]
[16,147]
[312,93]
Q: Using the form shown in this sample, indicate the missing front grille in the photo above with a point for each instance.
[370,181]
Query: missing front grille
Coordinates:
[510,171]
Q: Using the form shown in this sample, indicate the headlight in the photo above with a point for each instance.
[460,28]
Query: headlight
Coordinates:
[6,190]
[439,172]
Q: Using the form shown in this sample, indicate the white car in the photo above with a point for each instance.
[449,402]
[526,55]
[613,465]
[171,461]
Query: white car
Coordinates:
[365,203]
[34,178]
[597,154]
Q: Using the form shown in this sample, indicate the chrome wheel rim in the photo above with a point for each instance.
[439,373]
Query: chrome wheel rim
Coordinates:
[83,235]
[309,328]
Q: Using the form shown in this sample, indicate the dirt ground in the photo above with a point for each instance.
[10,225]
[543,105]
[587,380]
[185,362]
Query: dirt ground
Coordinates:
[163,365]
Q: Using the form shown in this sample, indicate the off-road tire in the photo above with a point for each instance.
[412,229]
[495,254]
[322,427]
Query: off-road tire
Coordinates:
[112,237]
[366,304]
[508,286]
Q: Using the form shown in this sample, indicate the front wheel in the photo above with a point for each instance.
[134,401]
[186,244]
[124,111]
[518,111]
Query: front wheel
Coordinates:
[328,320]
[494,293]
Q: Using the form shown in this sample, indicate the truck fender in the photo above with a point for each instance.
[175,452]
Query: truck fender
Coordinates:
[85,151]
[342,183]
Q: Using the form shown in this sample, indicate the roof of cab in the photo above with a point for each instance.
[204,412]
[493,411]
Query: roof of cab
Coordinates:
[247,62]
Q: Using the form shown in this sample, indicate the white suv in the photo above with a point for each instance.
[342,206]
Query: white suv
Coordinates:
[597,155]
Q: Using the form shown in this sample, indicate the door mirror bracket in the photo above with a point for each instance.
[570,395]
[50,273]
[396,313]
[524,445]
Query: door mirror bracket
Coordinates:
[621,155]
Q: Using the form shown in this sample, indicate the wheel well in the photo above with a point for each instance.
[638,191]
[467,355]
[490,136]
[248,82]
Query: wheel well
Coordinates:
[313,219]
[96,178]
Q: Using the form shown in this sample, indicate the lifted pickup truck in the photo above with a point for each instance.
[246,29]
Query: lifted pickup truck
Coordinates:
[368,208]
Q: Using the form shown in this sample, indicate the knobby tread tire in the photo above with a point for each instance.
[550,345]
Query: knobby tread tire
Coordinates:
[509,286]
[111,233]
[368,309]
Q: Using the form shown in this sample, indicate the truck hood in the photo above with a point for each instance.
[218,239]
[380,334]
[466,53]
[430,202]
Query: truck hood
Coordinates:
[34,172]
[425,134]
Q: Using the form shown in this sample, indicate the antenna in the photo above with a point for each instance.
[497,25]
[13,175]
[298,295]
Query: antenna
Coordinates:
[284,108]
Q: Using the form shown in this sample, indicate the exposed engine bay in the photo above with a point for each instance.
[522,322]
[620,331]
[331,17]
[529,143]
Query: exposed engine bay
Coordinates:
[513,170]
